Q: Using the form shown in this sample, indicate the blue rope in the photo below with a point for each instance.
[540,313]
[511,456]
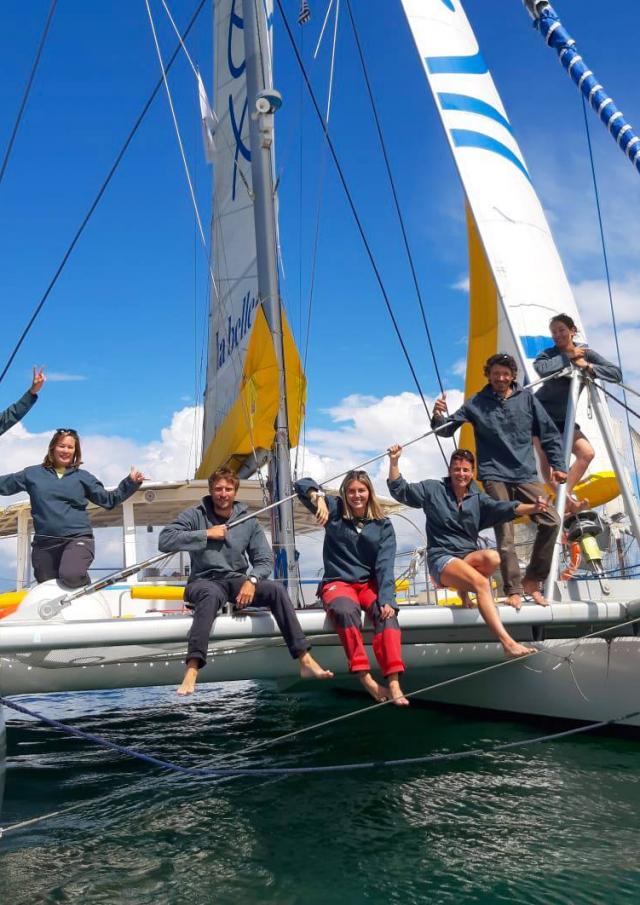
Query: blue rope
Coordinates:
[204,772]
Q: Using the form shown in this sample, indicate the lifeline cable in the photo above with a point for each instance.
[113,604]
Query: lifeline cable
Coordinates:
[205,772]
[97,198]
[27,90]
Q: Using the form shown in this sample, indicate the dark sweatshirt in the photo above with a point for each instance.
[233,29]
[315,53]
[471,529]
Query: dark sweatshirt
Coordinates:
[351,555]
[244,551]
[503,430]
[58,505]
[452,528]
[17,411]
[554,394]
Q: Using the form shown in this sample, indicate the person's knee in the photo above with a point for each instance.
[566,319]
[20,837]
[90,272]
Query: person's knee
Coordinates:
[206,595]
[71,578]
[345,611]
[492,559]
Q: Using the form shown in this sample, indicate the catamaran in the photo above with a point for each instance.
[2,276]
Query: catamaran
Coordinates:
[130,629]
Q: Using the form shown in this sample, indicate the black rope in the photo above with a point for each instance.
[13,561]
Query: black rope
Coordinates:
[623,404]
[396,200]
[205,772]
[98,197]
[27,90]
[354,211]
[605,258]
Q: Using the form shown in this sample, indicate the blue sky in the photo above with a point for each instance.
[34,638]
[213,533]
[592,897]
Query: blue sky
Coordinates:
[128,314]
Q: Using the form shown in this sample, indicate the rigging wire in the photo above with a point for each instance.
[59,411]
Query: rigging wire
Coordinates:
[203,239]
[396,200]
[98,197]
[353,208]
[27,90]
[605,258]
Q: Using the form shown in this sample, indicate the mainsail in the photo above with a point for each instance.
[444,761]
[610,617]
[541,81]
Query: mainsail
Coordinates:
[242,392]
[517,279]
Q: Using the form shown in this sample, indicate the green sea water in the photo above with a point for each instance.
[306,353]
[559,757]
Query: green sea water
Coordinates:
[552,823]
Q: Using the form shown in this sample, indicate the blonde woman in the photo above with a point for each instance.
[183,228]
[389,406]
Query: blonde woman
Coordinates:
[358,553]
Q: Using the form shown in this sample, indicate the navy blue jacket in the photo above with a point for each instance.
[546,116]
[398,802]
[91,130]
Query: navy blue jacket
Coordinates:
[351,555]
[452,528]
[58,505]
[244,546]
[554,394]
[17,411]
[503,430]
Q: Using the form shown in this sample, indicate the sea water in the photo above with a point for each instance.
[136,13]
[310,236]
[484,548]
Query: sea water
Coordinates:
[557,822]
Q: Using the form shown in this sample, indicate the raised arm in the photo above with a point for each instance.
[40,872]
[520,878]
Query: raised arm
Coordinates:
[12,483]
[19,409]
[447,424]
[550,361]
[601,368]
[315,500]
[109,499]
[410,494]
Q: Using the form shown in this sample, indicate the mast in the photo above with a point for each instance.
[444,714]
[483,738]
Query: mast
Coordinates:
[263,101]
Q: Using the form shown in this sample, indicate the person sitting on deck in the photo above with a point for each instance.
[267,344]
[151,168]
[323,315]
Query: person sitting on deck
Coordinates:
[358,554]
[59,491]
[456,512]
[505,420]
[230,564]
[554,395]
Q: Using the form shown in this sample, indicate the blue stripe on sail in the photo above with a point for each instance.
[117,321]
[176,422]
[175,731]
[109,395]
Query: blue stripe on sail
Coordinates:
[449,5]
[534,344]
[465,138]
[474,65]
[473,105]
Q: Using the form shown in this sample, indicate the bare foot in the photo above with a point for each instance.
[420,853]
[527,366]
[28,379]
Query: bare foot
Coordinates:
[189,682]
[514,600]
[532,588]
[311,669]
[397,697]
[378,692]
[467,603]
[514,649]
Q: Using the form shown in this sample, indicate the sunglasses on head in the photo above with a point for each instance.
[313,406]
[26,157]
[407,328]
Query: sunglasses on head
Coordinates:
[67,430]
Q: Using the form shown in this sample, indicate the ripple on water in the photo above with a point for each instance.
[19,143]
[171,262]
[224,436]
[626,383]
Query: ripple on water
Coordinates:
[547,824]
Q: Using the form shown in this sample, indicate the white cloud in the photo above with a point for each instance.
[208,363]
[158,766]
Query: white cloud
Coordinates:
[61,377]
[462,285]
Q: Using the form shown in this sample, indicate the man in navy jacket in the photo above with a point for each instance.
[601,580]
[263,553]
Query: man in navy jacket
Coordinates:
[505,419]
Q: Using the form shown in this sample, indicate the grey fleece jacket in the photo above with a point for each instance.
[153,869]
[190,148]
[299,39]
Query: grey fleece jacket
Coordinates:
[504,429]
[554,394]
[244,551]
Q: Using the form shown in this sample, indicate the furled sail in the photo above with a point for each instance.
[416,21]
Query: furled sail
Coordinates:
[509,238]
[241,396]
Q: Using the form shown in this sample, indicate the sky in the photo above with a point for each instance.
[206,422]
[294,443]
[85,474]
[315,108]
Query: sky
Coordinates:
[121,335]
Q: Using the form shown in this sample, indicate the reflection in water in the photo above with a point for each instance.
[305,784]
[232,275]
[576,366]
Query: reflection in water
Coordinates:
[554,823]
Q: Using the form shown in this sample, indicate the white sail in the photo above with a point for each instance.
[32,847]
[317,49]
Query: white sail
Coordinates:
[526,267]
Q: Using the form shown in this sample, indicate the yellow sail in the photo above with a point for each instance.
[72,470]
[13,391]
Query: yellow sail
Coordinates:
[250,422]
[483,321]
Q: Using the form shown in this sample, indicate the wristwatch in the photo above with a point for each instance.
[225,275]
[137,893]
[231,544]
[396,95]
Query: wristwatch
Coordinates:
[253,580]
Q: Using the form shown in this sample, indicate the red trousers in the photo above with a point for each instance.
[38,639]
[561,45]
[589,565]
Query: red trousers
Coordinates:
[343,601]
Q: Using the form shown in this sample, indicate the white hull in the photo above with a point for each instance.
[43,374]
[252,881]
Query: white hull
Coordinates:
[598,682]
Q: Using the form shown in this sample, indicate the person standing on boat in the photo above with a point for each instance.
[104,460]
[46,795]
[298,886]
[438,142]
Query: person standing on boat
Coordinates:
[554,395]
[59,490]
[456,512]
[230,564]
[505,420]
[358,554]
[25,403]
